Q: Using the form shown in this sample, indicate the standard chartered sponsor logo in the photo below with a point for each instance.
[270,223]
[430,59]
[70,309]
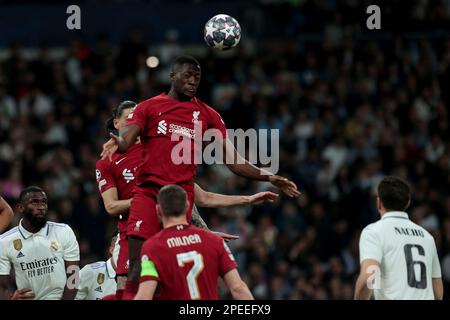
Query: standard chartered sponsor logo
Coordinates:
[182,131]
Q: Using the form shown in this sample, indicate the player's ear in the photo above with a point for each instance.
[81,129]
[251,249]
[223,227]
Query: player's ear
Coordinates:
[116,123]
[407,206]
[20,207]
[158,211]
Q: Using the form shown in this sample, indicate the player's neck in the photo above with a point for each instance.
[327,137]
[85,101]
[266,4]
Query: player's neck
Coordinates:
[180,97]
[171,222]
[30,227]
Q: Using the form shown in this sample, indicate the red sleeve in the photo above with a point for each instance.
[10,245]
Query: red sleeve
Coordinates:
[104,177]
[138,116]
[217,122]
[149,255]
[227,262]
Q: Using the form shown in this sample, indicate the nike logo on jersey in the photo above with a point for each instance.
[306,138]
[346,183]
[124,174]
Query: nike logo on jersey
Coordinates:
[119,161]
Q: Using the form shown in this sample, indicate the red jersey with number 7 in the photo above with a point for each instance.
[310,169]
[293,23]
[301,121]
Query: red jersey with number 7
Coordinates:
[187,262]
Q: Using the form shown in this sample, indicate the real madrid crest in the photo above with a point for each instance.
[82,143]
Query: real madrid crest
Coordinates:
[100,278]
[54,245]
[17,244]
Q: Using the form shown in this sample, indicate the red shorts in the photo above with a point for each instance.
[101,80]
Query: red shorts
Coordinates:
[143,221]
[122,260]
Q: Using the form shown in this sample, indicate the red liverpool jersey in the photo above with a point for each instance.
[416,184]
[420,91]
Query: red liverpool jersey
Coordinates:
[119,173]
[162,117]
[186,261]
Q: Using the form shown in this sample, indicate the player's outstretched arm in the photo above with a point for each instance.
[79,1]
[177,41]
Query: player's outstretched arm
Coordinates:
[367,278]
[113,205]
[241,167]
[238,289]
[146,290]
[6,214]
[438,288]
[207,199]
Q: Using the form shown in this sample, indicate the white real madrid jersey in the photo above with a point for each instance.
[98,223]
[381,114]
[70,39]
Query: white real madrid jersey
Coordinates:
[96,281]
[38,258]
[407,256]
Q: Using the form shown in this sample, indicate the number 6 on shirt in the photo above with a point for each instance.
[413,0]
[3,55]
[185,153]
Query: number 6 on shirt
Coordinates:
[192,275]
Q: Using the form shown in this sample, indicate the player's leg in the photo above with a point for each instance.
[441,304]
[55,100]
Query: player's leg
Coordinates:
[122,260]
[132,283]
[143,223]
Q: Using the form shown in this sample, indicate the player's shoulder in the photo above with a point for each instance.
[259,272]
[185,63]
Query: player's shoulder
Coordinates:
[425,232]
[151,101]
[373,228]
[102,163]
[58,225]
[95,266]
[60,228]
[206,234]
[10,234]
[206,108]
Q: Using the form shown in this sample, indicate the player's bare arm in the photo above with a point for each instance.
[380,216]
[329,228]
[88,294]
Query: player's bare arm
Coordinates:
[126,138]
[238,289]
[207,199]
[6,214]
[73,276]
[241,167]
[23,294]
[197,220]
[364,283]
[146,290]
[438,288]
[112,204]
[4,293]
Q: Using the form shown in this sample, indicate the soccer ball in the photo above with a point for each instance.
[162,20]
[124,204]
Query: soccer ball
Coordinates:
[222,32]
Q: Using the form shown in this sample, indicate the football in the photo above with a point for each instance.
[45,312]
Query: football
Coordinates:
[222,32]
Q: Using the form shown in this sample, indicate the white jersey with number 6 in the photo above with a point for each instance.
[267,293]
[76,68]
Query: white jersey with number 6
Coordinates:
[407,256]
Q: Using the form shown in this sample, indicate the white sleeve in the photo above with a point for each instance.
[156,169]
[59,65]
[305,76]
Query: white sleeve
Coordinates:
[370,245]
[116,250]
[5,264]
[436,268]
[83,288]
[71,249]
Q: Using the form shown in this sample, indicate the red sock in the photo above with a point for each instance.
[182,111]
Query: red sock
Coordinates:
[131,288]
[119,294]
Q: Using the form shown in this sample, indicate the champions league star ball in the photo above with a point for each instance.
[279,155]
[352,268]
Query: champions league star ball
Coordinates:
[222,32]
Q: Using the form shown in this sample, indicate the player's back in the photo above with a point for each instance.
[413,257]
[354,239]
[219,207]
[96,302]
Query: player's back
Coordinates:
[188,261]
[408,254]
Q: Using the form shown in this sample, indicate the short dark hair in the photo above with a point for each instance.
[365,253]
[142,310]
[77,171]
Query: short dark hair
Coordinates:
[116,113]
[394,193]
[28,190]
[179,61]
[172,200]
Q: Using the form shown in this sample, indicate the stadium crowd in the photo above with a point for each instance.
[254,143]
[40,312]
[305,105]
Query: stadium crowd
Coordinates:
[349,112]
